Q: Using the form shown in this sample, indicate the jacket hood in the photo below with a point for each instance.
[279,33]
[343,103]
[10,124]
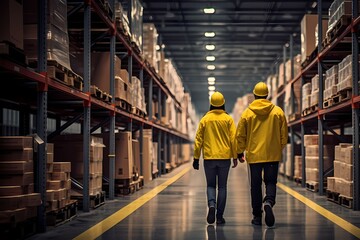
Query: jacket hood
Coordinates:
[261,106]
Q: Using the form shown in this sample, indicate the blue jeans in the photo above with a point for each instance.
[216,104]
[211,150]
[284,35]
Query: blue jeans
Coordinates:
[270,179]
[217,170]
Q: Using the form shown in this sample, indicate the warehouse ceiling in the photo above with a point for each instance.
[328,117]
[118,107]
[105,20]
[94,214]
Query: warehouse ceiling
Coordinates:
[249,39]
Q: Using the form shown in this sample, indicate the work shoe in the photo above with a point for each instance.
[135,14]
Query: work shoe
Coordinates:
[211,215]
[269,215]
[256,221]
[220,221]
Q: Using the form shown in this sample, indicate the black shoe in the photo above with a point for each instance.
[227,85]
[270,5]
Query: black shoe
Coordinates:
[256,221]
[269,215]
[211,215]
[220,221]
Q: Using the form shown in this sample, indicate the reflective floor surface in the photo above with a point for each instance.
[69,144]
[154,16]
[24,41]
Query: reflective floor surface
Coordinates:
[179,212]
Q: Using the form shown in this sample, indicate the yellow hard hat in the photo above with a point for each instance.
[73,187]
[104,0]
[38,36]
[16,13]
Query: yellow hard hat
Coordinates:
[261,89]
[217,99]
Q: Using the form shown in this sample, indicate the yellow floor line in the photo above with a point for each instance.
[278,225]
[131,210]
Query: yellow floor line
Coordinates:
[101,227]
[354,230]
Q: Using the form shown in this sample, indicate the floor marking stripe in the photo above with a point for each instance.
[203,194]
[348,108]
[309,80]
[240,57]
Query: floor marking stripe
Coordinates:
[354,230]
[101,227]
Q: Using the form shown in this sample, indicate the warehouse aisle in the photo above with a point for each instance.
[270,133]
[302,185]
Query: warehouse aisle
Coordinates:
[178,211]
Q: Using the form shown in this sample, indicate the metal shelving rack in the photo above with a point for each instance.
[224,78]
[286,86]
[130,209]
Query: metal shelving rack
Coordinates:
[49,90]
[349,107]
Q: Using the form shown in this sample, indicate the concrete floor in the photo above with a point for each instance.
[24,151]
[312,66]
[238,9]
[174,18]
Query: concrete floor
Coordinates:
[179,212]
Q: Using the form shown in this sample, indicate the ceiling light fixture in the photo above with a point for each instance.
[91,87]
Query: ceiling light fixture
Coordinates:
[209,34]
[211,88]
[210,58]
[314,4]
[210,47]
[209,10]
[157,47]
[211,83]
[211,79]
[210,67]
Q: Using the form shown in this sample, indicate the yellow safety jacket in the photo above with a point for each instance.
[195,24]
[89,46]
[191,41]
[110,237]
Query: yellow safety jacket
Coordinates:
[262,131]
[215,136]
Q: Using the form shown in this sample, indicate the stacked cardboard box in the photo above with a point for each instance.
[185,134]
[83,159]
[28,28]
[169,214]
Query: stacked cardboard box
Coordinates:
[311,143]
[308,25]
[57,32]
[122,21]
[314,99]
[69,148]
[11,25]
[58,186]
[331,81]
[297,150]
[124,165]
[298,166]
[18,201]
[147,155]
[306,95]
[345,74]
[150,36]
[127,93]
[137,95]
[337,10]
[342,182]
[136,157]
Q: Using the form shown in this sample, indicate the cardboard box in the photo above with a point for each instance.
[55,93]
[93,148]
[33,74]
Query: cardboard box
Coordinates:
[15,142]
[12,202]
[343,170]
[147,153]
[26,154]
[10,190]
[62,166]
[61,176]
[17,180]
[53,184]
[11,216]
[11,24]
[308,25]
[16,167]
[313,151]
[331,184]
[136,155]
[344,187]
[312,174]
[123,155]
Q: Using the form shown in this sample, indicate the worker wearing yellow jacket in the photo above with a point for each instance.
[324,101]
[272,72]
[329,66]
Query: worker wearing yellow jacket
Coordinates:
[215,139]
[262,132]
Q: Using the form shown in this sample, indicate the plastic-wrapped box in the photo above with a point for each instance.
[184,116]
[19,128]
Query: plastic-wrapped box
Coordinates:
[150,36]
[338,9]
[314,98]
[315,83]
[306,89]
[136,23]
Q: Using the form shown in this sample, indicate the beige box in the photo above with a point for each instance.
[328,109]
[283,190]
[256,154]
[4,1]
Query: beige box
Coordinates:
[339,148]
[331,184]
[343,170]
[312,174]
[136,155]
[308,25]
[11,190]
[344,187]
[298,166]
[32,200]
[313,162]
[313,151]
[123,155]
[62,166]
[25,154]
[16,167]
[11,24]
[15,142]
[53,184]
[12,202]
[61,176]
[147,153]
[50,195]
[11,216]
[17,180]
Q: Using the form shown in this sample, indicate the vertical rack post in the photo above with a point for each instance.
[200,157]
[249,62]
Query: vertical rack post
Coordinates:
[277,100]
[130,68]
[355,110]
[141,148]
[303,162]
[320,103]
[87,110]
[41,118]
[292,99]
[112,113]
[150,95]
[159,153]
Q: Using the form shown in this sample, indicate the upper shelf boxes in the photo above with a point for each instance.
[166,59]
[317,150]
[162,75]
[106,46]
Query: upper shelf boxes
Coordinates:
[150,36]
[11,24]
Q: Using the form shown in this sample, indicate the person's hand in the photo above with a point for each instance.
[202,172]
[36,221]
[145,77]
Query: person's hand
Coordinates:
[235,163]
[240,156]
[196,164]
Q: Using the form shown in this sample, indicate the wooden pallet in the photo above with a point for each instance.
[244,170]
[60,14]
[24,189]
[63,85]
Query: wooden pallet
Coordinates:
[328,103]
[125,186]
[337,29]
[342,96]
[138,112]
[333,196]
[96,200]
[9,51]
[62,215]
[346,201]
[312,186]
[18,230]
[309,58]
[309,110]
[298,180]
[61,74]
[123,104]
